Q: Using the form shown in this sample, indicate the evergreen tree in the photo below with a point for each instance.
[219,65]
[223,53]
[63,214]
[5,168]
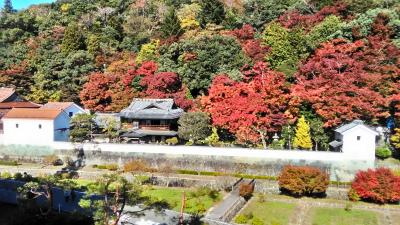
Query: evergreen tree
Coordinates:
[73,39]
[8,8]
[303,138]
[213,11]
[171,24]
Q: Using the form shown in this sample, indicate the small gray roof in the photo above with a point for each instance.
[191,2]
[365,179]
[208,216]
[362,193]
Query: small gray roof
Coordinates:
[335,144]
[342,129]
[151,109]
[141,133]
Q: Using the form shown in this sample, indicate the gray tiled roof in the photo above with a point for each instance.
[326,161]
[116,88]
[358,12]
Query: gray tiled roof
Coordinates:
[351,125]
[151,109]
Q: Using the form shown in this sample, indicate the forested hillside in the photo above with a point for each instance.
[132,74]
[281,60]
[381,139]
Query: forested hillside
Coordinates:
[253,66]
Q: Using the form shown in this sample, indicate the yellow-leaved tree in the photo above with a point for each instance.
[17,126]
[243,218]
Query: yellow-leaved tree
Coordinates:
[302,139]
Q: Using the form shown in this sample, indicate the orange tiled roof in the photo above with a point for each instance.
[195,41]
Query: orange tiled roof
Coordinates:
[10,105]
[23,113]
[6,93]
[57,105]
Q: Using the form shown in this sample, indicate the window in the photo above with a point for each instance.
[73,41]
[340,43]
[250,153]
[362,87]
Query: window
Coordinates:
[358,138]
[40,126]
[16,125]
[70,114]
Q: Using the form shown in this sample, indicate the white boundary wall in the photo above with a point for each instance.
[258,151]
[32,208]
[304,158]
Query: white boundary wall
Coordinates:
[214,151]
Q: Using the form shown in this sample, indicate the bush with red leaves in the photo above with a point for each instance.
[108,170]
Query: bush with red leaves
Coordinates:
[380,186]
[246,190]
[303,181]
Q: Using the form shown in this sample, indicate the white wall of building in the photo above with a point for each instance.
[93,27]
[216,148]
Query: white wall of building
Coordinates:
[29,131]
[35,131]
[359,141]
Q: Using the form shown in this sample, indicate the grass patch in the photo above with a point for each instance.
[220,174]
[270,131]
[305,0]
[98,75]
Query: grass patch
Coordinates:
[269,212]
[196,202]
[331,216]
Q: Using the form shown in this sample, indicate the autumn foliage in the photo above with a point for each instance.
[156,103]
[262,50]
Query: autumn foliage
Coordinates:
[250,107]
[344,81]
[303,181]
[380,185]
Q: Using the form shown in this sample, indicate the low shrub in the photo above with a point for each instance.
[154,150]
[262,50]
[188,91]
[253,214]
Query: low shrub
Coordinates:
[172,141]
[241,219]
[353,196]
[303,181]
[52,160]
[379,186]
[112,167]
[256,221]
[6,175]
[383,152]
[246,190]
[260,177]
[189,172]
[8,163]
[137,166]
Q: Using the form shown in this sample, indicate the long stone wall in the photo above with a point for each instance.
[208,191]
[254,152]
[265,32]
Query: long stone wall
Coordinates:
[340,166]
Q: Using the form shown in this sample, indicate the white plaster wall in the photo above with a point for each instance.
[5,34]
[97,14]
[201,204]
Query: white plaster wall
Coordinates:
[365,147]
[28,131]
[61,122]
[212,151]
[74,109]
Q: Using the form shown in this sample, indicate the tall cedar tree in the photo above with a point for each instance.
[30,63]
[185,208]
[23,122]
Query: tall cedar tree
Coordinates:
[171,25]
[303,138]
[8,8]
[213,11]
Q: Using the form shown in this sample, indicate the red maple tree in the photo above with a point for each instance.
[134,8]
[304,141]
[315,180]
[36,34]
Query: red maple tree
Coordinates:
[249,109]
[379,185]
[343,81]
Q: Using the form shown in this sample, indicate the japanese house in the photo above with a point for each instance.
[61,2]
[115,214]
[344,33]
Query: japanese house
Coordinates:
[150,120]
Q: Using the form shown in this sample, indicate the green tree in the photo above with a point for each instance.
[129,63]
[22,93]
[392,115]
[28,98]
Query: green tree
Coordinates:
[287,135]
[318,134]
[324,31]
[287,47]
[73,39]
[8,8]
[198,60]
[171,25]
[302,139]
[116,193]
[81,127]
[212,11]
[110,128]
[43,186]
[194,126]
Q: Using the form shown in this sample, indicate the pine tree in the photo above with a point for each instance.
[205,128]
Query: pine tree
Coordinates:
[171,25]
[303,138]
[8,8]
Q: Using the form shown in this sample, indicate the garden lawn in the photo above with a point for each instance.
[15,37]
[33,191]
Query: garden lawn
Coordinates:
[173,196]
[330,216]
[270,212]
